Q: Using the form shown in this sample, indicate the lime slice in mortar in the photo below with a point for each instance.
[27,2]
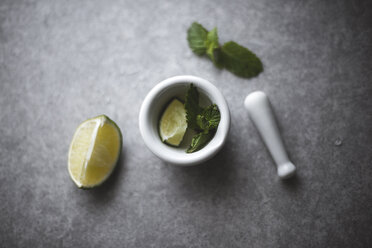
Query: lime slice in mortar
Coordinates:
[173,124]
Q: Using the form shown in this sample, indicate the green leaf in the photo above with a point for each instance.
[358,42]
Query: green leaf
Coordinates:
[240,61]
[204,121]
[192,107]
[197,36]
[212,38]
[199,141]
[212,45]
[209,119]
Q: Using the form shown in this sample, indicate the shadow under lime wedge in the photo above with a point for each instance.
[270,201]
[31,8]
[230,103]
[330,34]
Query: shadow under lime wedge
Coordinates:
[94,151]
[173,124]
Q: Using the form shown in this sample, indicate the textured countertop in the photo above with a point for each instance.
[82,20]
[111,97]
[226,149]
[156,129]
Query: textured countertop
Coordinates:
[62,62]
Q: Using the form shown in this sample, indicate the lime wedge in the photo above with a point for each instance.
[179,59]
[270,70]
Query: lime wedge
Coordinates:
[173,124]
[94,151]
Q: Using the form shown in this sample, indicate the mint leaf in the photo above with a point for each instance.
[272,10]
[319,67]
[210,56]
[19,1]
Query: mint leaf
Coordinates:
[212,38]
[212,46]
[240,61]
[209,119]
[197,36]
[199,141]
[192,107]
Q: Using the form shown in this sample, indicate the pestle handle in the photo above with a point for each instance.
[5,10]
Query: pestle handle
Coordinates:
[261,114]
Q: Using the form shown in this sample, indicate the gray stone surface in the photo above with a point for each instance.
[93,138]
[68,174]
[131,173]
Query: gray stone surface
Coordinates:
[62,62]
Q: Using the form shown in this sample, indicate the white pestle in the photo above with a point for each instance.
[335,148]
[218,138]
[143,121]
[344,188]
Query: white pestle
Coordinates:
[261,114]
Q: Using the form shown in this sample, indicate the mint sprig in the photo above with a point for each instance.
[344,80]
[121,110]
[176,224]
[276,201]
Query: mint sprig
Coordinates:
[202,120]
[232,56]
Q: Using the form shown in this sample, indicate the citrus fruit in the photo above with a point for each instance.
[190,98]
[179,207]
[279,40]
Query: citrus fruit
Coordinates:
[94,151]
[173,124]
